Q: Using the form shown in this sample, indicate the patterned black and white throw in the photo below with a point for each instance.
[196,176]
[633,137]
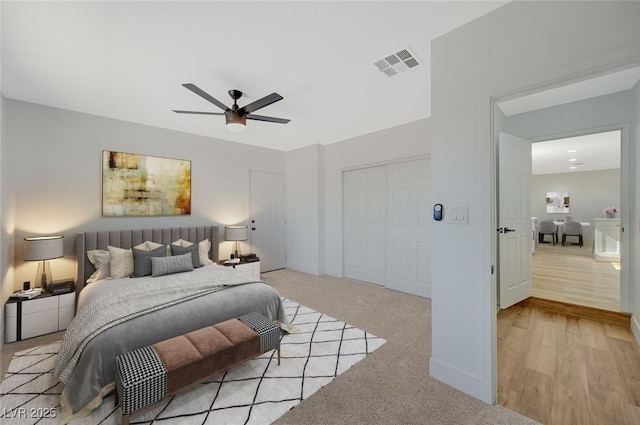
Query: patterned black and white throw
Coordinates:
[257,392]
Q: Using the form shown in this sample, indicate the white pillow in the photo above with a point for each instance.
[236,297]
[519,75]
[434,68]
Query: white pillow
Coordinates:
[148,246]
[203,249]
[182,243]
[121,262]
[100,260]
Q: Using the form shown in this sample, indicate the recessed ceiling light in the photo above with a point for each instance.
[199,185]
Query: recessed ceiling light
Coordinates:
[571,150]
[573,159]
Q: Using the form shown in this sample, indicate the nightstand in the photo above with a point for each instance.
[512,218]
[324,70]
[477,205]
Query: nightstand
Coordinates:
[251,270]
[41,315]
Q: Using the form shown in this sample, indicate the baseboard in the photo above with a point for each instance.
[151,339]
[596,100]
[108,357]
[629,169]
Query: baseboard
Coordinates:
[459,379]
[333,272]
[303,268]
[635,328]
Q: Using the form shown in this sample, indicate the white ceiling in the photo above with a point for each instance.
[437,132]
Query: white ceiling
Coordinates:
[127,60]
[600,151]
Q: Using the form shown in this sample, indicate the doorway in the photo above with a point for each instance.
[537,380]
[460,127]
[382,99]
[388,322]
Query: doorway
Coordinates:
[586,168]
[535,365]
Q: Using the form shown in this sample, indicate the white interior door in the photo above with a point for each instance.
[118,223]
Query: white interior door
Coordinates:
[267,226]
[408,227]
[514,218]
[365,218]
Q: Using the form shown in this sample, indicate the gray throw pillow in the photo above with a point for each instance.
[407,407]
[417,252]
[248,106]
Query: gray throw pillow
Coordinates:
[168,265]
[193,250]
[142,260]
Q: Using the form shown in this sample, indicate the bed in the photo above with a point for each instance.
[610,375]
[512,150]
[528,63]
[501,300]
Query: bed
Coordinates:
[92,373]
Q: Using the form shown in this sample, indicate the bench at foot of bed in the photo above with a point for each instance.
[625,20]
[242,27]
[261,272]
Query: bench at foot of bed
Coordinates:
[151,373]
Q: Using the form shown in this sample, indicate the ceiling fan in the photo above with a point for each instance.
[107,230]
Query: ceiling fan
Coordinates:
[235,116]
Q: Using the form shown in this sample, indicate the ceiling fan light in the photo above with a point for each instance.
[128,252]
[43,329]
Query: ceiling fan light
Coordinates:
[235,127]
[235,121]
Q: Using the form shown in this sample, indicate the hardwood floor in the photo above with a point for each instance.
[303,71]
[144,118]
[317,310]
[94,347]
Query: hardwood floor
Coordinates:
[570,274]
[562,364]
[562,370]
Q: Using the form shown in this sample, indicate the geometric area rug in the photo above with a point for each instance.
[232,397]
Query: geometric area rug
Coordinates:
[256,392]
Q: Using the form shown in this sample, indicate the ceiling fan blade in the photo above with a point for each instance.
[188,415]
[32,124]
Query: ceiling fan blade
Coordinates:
[261,103]
[203,94]
[267,119]
[198,112]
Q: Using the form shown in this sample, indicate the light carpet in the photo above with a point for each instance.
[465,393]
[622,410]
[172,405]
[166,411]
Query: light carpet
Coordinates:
[257,392]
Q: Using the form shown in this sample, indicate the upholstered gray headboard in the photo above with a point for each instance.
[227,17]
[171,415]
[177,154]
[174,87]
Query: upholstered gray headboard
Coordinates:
[129,238]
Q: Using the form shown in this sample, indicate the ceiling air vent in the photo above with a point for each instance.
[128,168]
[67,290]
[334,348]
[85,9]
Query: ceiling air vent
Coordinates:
[400,61]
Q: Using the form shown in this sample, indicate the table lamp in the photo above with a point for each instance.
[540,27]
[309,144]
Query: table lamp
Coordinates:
[236,234]
[43,248]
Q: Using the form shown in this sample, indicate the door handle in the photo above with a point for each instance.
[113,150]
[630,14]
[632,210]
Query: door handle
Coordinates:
[505,230]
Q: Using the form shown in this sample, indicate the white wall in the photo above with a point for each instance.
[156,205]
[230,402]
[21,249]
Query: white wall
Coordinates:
[520,45]
[590,192]
[634,228]
[304,177]
[53,157]
[405,141]
[314,191]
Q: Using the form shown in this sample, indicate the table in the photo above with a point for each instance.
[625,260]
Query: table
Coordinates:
[38,316]
[251,269]
[561,223]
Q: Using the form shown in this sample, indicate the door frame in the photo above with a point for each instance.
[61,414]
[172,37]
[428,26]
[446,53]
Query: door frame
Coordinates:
[627,168]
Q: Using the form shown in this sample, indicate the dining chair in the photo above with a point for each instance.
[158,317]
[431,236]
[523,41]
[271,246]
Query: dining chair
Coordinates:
[573,228]
[547,227]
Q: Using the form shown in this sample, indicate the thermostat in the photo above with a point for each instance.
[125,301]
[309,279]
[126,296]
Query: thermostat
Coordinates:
[437,212]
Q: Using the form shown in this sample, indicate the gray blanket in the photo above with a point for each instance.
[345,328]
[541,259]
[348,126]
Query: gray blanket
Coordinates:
[189,301]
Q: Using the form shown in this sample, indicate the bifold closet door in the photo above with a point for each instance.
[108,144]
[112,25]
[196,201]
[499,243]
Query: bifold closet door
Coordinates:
[408,227]
[387,226]
[365,222]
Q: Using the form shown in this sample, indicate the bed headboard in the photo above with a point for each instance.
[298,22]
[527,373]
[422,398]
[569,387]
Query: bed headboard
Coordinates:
[87,241]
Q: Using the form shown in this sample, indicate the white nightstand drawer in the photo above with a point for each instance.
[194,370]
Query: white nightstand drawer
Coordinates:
[250,271]
[66,300]
[39,304]
[65,316]
[39,323]
[11,310]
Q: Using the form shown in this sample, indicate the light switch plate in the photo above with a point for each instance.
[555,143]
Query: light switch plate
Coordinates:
[459,215]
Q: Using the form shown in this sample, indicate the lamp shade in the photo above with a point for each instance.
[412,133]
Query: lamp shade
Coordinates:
[235,122]
[236,233]
[42,248]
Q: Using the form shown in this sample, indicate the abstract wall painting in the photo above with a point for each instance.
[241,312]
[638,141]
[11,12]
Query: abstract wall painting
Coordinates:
[557,202]
[142,185]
